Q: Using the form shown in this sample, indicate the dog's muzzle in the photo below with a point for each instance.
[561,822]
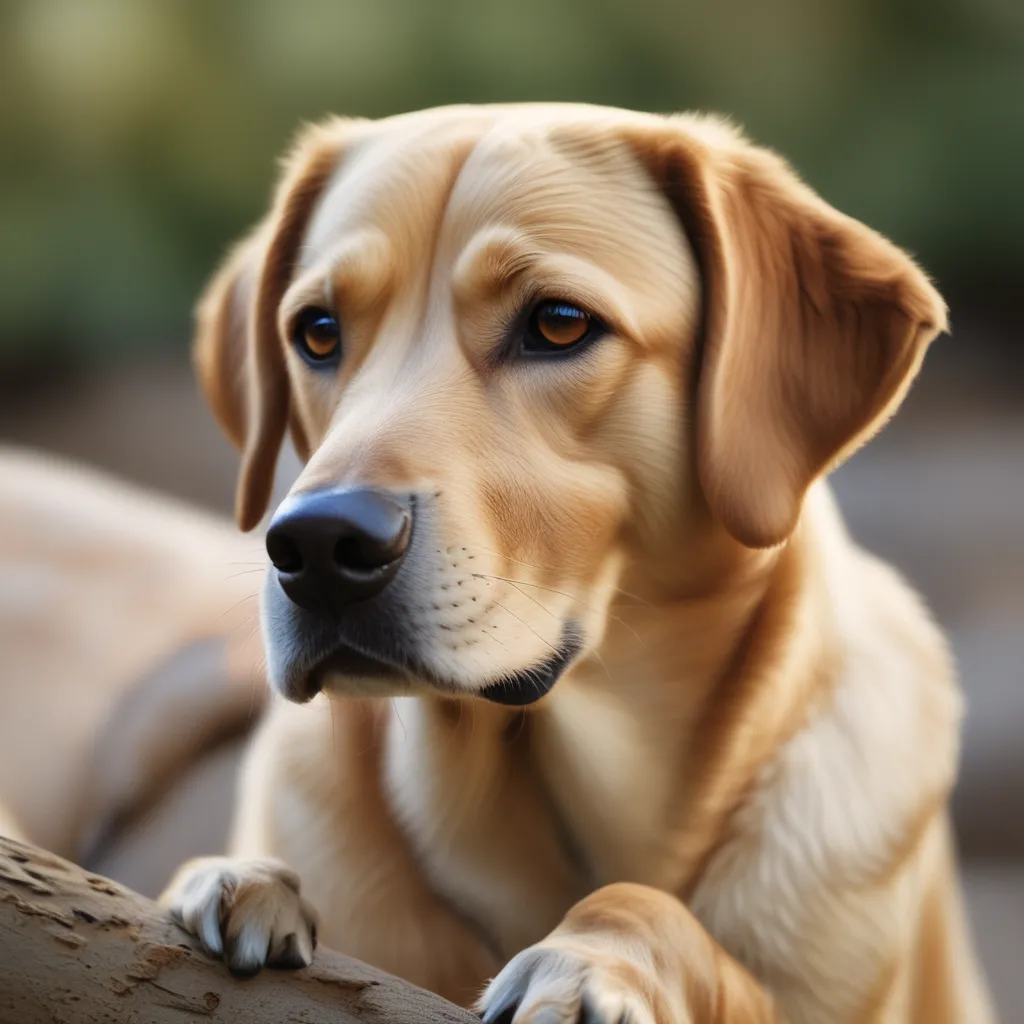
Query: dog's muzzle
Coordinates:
[345,574]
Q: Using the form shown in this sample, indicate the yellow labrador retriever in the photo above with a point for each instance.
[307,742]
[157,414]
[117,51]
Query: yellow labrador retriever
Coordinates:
[632,727]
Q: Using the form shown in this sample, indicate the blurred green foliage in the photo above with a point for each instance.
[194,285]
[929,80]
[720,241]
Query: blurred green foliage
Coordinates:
[138,137]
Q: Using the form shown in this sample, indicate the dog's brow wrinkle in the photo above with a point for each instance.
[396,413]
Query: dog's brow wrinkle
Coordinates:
[489,260]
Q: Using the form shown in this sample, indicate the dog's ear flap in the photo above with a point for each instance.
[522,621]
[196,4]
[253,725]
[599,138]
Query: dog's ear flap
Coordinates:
[220,352]
[814,326]
[238,353]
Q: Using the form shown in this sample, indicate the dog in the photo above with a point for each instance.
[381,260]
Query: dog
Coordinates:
[632,730]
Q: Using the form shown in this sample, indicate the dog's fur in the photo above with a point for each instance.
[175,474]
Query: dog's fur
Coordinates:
[733,804]
[125,621]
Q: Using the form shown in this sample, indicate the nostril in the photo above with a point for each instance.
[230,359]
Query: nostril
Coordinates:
[284,553]
[374,539]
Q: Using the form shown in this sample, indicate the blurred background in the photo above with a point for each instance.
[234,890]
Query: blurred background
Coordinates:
[138,138]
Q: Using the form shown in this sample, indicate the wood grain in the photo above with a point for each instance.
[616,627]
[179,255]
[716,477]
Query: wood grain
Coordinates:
[77,947]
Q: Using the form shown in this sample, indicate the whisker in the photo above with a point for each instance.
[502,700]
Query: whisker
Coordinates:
[597,654]
[244,572]
[625,625]
[228,611]
[394,705]
[590,650]
[509,558]
[530,597]
[497,641]
[541,568]
[611,615]
[238,626]
[519,731]
[528,626]
[252,689]
[252,632]
[376,724]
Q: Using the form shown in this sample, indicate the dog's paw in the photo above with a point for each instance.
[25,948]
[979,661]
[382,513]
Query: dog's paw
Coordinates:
[249,912]
[547,984]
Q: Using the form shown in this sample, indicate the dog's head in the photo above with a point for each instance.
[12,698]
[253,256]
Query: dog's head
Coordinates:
[521,348]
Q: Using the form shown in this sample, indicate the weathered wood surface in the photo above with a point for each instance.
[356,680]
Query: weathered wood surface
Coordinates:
[76,947]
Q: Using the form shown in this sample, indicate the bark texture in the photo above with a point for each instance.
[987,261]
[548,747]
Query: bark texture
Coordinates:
[76,947]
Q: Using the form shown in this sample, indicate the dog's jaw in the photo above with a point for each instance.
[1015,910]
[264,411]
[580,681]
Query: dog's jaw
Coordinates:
[528,686]
[348,671]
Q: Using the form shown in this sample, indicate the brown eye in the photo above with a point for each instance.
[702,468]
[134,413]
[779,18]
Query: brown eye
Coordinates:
[557,326]
[318,336]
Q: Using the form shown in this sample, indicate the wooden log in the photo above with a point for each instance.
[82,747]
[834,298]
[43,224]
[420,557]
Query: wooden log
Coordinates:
[76,947]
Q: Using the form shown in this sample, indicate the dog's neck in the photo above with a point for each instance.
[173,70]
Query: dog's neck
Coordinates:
[630,767]
[632,741]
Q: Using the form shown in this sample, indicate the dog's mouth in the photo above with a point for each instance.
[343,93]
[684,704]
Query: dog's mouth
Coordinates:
[528,685]
[515,689]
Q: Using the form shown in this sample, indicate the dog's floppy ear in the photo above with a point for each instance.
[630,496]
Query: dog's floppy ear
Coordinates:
[813,325]
[237,353]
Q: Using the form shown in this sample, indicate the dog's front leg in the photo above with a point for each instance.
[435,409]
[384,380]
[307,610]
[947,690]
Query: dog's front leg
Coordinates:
[247,908]
[626,953]
[312,811]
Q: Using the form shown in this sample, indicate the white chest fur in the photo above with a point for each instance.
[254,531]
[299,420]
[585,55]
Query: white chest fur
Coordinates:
[612,776]
[513,828]
[471,810]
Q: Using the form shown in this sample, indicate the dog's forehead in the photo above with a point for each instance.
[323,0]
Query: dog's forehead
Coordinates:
[394,176]
[565,181]
[557,172]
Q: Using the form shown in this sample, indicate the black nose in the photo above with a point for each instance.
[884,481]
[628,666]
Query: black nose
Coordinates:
[335,547]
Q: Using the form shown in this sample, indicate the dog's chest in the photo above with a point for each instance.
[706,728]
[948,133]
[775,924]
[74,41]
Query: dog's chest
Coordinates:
[513,833]
[611,777]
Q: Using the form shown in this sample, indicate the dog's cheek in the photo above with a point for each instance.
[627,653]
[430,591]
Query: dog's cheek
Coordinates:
[646,436]
[557,517]
[547,493]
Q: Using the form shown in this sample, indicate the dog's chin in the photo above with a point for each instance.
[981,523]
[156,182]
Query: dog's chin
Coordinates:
[347,672]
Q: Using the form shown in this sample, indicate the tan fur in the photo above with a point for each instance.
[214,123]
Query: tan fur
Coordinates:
[127,630]
[763,721]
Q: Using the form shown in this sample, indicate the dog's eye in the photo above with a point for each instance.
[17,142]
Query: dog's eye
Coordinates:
[317,336]
[557,326]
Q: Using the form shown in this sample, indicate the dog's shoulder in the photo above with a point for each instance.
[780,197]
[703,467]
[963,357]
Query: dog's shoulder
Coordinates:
[842,808]
[886,727]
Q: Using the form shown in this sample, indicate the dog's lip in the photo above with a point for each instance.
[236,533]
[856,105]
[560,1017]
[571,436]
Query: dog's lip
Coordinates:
[518,689]
[349,660]
[529,685]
